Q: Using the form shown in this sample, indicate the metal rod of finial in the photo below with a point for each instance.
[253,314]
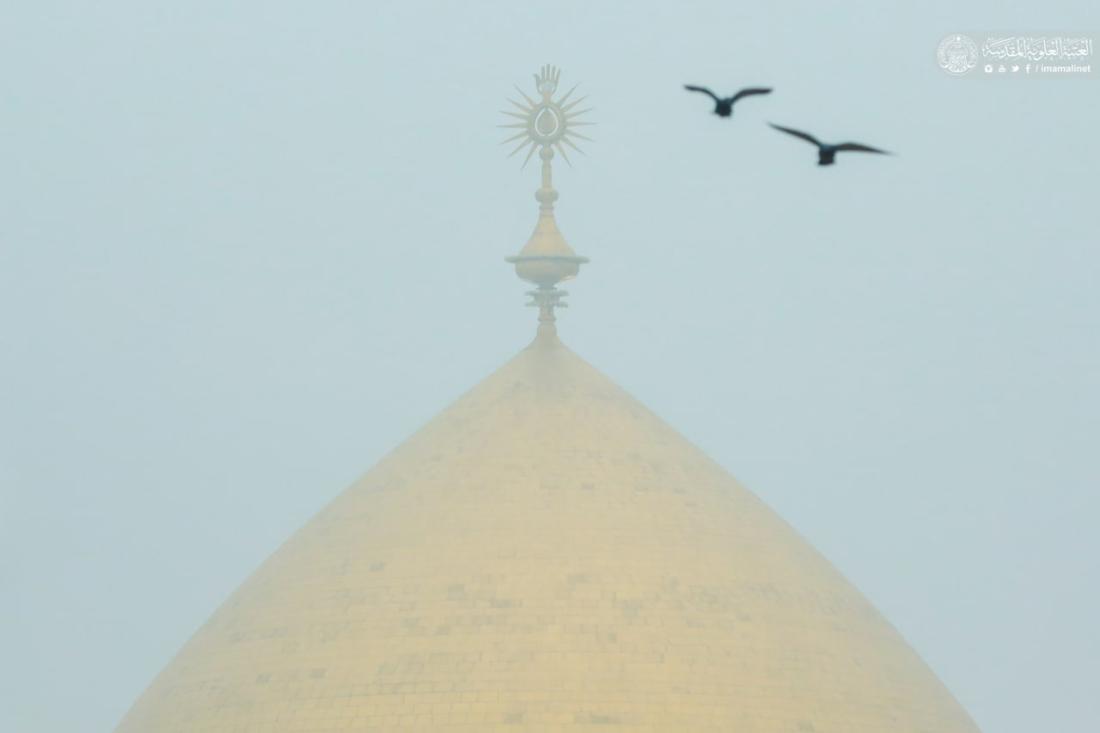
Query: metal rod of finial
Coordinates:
[546,259]
[546,299]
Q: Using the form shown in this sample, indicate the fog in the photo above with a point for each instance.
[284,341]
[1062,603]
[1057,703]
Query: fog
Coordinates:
[246,249]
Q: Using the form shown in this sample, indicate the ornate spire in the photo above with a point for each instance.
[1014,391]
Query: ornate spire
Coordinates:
[546,125]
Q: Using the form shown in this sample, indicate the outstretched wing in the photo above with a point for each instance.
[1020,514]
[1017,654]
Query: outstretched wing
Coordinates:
[797,133]
[704,90]
[859,147]
[749,91]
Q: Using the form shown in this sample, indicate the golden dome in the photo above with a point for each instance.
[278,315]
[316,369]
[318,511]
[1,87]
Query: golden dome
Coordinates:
[547,555]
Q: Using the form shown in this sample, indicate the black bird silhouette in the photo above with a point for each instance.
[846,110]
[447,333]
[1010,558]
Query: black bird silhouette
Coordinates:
[826,152]
[723,106]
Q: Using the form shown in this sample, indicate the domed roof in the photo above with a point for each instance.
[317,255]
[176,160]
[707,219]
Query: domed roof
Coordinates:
[547,554]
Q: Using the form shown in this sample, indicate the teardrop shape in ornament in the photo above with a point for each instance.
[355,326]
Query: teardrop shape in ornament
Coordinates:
[547,122]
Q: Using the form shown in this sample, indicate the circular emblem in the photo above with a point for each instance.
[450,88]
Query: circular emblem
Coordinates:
[957,54]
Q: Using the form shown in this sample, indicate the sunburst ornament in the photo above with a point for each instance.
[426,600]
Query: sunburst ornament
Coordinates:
[547,123]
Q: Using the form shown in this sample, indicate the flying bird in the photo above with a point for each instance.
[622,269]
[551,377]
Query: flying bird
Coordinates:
[826,152]
[723,106]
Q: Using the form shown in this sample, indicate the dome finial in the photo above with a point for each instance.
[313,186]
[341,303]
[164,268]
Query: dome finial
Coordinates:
[546,125]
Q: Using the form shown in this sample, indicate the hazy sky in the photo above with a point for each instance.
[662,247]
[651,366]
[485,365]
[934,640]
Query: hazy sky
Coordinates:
[247,248]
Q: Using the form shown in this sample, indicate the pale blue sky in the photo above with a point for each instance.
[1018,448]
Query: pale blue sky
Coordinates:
[248,248]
